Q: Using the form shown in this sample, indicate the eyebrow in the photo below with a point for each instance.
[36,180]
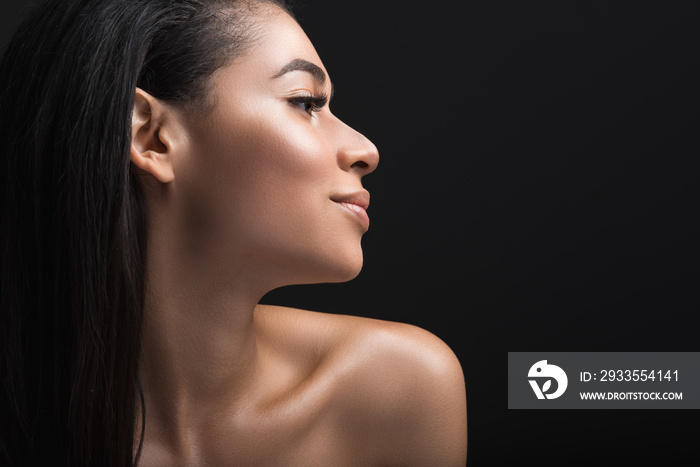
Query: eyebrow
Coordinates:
[302,65]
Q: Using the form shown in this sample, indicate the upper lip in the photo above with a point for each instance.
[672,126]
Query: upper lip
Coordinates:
[359,198]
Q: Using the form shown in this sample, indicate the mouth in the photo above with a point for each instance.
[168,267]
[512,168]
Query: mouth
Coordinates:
[356,205]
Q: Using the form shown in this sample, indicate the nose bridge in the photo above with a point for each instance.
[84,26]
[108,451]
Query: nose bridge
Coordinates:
[354,150]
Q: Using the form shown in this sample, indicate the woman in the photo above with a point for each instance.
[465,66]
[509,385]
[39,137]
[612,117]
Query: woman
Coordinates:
[167,163]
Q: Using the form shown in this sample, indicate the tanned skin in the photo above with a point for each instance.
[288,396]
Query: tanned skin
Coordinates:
[263,189]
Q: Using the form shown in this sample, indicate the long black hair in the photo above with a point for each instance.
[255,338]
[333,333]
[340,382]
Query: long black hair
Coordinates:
[73,221]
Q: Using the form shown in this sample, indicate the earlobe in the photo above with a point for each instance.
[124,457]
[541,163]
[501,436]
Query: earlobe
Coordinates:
[150,150]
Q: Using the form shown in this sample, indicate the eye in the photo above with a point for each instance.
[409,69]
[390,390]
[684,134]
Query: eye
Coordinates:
[309,103]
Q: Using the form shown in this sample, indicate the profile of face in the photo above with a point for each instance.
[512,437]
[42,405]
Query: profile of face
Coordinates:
[269,180]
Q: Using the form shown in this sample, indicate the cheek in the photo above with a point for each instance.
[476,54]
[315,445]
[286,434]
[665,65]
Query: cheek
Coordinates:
[284,211]
[286,173]
[259,179]
[257,189]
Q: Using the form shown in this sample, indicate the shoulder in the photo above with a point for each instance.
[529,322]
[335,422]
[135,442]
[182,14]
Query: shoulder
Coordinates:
[398,390]
[407,394]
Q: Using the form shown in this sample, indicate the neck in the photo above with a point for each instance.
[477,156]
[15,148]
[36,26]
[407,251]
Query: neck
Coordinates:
[199,344]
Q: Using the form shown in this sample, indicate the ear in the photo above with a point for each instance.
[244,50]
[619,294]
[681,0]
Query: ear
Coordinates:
[151,146]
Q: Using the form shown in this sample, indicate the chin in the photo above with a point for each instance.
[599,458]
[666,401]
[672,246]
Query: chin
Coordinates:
[347,273]
[340,268]
[349,264]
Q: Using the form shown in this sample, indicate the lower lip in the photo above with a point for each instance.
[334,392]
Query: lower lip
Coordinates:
[359,213]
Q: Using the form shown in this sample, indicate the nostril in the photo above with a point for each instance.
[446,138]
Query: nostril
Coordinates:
[360,164]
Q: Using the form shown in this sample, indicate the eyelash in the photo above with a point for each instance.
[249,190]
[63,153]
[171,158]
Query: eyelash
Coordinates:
[309,103]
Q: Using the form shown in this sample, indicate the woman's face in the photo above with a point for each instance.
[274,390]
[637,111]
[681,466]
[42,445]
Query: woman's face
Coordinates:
[270,181]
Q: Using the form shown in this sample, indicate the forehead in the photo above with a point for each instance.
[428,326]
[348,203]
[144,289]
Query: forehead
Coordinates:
[277,40]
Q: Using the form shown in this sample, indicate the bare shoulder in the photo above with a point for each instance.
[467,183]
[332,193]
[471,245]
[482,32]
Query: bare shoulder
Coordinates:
[398,390]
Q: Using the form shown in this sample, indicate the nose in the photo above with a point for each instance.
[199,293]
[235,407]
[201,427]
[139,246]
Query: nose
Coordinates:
[356,153]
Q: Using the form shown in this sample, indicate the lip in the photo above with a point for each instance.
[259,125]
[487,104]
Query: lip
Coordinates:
[356,204]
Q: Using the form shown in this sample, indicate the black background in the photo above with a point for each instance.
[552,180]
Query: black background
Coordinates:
[537,191]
